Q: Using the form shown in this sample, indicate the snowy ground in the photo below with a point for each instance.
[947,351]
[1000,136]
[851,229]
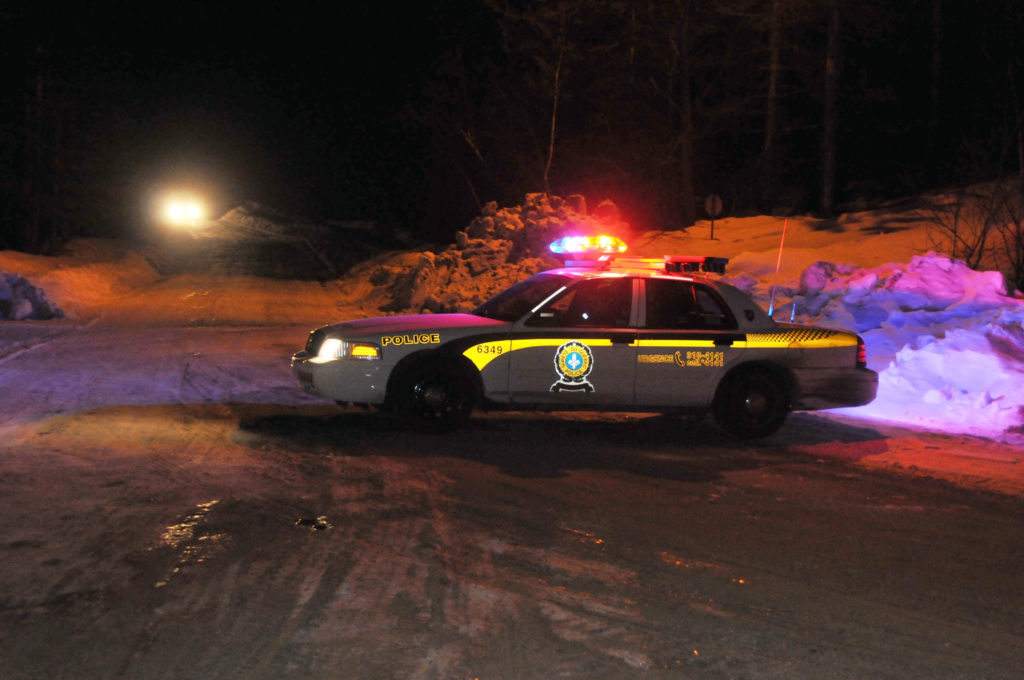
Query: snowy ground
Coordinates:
[177,507]
[946,340]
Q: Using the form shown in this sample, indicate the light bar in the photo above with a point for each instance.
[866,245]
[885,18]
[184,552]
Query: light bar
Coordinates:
[579,245]
[695,263]
[604,260]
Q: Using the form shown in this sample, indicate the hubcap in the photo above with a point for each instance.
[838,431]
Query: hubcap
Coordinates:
[756,404]
[434,396]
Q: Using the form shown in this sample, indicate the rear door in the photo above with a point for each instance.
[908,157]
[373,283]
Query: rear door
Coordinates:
[578,349]
[685,343]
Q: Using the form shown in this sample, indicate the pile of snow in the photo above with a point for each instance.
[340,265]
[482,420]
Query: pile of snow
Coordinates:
[497,249]
[20,300]
[946,340]
[89,277]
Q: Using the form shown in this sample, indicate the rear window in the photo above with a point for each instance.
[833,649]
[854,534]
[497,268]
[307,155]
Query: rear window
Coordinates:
[682,305]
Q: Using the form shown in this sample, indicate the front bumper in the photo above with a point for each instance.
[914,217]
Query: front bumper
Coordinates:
[343,380]
[303,374]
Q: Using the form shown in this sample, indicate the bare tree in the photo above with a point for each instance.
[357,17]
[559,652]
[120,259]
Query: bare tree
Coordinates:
[983,223]
[830,115]
[770,149]
[685,128]
[556,91]
[963,222]
[543,33]
[670,41]
[936,67]
[1012,231]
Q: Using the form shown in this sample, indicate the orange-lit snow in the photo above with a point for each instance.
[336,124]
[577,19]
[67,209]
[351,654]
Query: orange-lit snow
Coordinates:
[949,368]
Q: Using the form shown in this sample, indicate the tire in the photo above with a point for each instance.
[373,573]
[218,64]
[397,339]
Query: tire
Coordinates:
[435,394]
[751,404]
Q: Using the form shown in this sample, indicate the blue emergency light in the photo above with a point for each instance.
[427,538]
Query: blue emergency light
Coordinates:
[583,245]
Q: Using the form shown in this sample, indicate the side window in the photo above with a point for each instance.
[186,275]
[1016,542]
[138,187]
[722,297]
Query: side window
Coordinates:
[683,305]
[594,303]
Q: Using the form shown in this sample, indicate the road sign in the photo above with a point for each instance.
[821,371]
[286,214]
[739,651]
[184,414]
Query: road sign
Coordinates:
[713,207]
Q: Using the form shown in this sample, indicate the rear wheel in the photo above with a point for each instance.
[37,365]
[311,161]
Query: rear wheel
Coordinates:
[752,403]
[435,394]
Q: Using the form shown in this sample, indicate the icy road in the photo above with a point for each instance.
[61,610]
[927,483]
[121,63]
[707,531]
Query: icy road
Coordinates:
[172,506]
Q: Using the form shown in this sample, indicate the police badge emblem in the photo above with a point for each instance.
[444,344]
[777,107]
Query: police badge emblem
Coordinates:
[573,363]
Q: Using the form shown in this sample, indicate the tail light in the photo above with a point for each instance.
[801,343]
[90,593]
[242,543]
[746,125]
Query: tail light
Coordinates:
[862,354]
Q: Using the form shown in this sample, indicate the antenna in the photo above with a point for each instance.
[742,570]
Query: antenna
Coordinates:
[778,263]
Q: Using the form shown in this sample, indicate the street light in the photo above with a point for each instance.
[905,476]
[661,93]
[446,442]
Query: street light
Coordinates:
[182,210]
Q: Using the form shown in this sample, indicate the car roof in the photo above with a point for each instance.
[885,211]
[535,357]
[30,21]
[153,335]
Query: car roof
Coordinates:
[587,273]
[678,268]
[684,267]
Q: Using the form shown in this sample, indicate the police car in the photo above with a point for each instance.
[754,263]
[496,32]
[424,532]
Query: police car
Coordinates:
[607,333]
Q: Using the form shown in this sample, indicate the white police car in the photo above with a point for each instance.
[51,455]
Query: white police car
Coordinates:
[612,333]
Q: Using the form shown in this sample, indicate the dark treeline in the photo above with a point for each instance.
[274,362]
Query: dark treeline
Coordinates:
[775,105]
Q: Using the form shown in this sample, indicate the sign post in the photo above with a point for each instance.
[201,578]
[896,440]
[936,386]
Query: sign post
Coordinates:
[713,207]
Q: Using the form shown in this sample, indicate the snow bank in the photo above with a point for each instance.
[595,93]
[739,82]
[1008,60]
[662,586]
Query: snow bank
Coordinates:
[87,279]
[497,249]
[946,340]
[20,300]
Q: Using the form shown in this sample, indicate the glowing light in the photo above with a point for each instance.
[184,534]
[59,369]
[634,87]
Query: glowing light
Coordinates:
[336,348]
[365,352]
[182,210]
[330,349]
[576,245]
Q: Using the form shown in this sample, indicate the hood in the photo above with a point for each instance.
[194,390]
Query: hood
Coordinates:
[412,322]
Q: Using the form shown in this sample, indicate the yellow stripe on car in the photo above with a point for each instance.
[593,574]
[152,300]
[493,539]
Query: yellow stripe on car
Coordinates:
[801,338]
[557,342]
[486,352]
[673,343]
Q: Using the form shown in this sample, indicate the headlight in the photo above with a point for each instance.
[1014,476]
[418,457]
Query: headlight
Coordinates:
[336,348]
[330,349]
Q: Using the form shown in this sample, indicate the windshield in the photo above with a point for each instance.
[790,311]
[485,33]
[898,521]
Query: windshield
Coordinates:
[513,303]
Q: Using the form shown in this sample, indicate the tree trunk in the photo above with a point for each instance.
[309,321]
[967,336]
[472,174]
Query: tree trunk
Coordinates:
[34,159]
[554,114]
[933,122]
[687,197]
[828,143]
[770,153]
[1017,248]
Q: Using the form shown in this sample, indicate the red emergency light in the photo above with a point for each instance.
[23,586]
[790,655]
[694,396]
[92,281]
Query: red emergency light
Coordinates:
[588,245]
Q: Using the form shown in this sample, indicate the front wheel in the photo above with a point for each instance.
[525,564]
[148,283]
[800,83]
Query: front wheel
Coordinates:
[435,394]
[751,404]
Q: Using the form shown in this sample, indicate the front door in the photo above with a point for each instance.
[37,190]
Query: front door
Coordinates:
[579,349]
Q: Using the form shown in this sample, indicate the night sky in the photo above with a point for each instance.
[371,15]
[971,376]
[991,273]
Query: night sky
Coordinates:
[317,109]
[295,106]
[291,108]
